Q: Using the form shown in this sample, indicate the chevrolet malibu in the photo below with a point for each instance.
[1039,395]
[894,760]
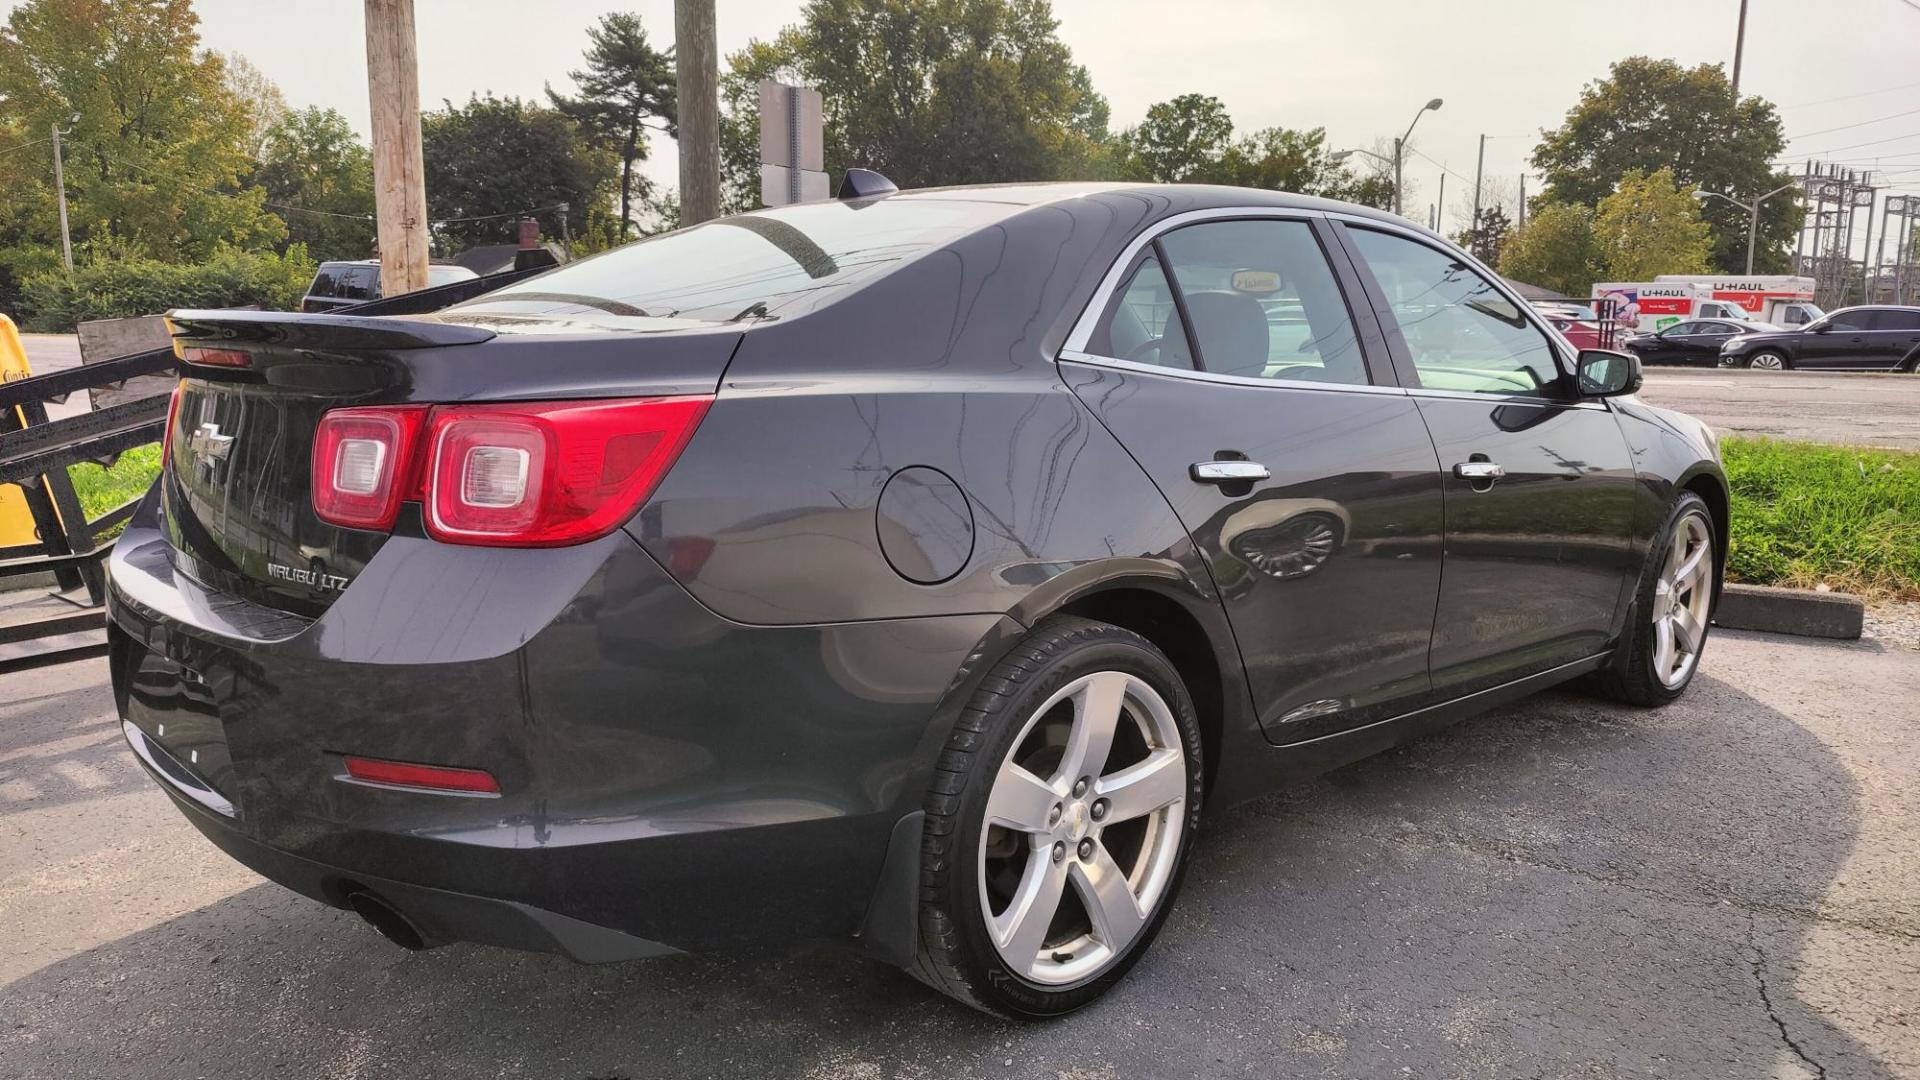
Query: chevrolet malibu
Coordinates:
[915,570]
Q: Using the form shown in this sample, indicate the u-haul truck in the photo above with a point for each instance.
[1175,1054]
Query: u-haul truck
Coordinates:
[1780,299]
[1651,306]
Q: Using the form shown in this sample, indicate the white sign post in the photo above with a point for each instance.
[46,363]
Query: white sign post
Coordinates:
[792,161]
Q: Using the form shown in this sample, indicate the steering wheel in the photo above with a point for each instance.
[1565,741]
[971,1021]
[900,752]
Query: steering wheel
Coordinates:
[1137,353]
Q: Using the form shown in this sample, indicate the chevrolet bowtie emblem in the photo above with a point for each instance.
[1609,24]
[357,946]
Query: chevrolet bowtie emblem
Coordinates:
[209,447]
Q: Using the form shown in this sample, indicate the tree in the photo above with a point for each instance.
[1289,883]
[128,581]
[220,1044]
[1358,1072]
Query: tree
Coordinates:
[626,83]
[1486,240]
[267,106]
[1181,141]
[494,159]
[1654,114]
[934,92]
[1649,226]
[314,162]
[1555,250]
[157,140]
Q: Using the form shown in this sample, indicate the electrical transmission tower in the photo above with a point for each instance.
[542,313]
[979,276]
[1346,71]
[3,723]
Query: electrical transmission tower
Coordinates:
[1901,276]
[1834,197]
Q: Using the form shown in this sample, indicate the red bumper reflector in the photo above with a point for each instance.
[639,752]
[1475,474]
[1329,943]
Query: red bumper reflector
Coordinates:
[425,777]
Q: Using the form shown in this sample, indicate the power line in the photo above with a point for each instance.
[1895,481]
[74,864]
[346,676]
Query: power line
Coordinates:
[1846,127]
[1851,97]
[1871,142]
[24,145]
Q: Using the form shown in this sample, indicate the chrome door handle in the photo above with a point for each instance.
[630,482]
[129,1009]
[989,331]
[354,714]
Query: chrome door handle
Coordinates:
[1478,470]
[1227,472]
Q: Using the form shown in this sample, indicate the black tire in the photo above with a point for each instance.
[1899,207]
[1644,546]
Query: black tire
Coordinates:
[1786,364]
[957,955]
[1629,675]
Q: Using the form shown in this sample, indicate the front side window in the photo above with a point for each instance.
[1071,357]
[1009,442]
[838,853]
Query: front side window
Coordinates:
[1461,332]
[1682,329]
[1848,321]
[1263,303]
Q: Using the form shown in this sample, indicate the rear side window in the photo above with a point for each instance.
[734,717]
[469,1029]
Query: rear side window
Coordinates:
[325,283]
[1263,303]
[359,283]
[1143,324]
[1461,332]
[766,265]
[1886,319]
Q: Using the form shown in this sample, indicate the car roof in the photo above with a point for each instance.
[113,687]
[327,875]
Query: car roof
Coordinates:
[1189,196]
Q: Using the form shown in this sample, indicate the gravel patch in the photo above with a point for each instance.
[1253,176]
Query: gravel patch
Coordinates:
[1895,622]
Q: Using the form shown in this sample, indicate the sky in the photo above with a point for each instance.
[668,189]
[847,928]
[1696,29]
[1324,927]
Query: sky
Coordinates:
[1359,68]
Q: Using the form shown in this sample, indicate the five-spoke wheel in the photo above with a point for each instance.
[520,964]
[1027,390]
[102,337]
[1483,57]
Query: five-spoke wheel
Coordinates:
[1059,819]
[1083,827]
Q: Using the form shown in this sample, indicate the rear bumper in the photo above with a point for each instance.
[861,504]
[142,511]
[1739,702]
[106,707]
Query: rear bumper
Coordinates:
[669,779]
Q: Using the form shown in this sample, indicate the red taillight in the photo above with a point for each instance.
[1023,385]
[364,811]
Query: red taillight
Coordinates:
[543,474]
[363,462]
[532,474]
[425,777]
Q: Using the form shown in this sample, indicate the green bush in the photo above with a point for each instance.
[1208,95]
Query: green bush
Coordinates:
[1807,515]
[123,288]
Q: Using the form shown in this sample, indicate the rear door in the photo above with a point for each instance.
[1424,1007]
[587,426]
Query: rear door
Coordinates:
[1225,355]
[1539,482]
[1894,334]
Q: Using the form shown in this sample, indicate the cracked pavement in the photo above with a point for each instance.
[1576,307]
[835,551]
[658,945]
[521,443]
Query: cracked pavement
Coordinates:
[1726,888]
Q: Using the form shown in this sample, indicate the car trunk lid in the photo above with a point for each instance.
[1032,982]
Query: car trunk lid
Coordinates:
[237,476]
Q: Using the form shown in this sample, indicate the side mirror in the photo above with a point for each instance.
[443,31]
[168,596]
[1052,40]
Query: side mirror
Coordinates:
[1604,373]
[1820,327]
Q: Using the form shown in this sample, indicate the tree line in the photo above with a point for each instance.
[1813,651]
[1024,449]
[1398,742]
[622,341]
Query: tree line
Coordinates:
[176,153]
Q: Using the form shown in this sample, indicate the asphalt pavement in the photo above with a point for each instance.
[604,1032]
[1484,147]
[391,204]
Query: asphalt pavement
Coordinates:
[1848,408]
[1726,888]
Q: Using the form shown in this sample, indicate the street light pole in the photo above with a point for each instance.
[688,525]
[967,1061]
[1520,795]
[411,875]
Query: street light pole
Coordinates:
[1399,148]
[1753,213]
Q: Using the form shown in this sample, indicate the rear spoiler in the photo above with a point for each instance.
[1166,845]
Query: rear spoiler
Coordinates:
[316,331]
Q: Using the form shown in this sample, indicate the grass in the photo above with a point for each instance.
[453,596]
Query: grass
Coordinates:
[100,490]
[1807,515]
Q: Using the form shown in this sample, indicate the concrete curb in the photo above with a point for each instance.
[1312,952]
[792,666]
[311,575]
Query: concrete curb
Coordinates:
[1791,611]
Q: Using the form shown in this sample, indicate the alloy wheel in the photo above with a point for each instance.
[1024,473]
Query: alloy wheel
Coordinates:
[1682,598]
[1767,361]
[1083,826]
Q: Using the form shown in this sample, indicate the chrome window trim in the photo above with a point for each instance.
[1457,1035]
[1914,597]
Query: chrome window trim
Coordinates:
[1096,360]
[1075,349]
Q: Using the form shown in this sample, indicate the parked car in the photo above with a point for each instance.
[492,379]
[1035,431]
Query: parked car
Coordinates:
[339,284]
[916,571]
[1696,341]
[1873,338]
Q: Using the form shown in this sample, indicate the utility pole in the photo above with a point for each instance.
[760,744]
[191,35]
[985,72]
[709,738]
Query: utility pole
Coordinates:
[1739,50]
[399,171]
[1396,176]
[1440,203]
[697,60]
[60,186]
[1523,201]
[1478,168]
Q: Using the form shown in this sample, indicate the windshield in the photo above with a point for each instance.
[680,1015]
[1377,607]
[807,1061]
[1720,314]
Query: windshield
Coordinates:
[766,265]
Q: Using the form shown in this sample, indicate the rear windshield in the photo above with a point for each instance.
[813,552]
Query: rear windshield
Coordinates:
[765,265]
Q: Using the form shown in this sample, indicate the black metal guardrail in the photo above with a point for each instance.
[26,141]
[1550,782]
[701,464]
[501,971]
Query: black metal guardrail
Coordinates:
[35,453]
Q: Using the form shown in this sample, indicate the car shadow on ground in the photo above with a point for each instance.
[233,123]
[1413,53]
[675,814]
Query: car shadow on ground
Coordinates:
[1561,887]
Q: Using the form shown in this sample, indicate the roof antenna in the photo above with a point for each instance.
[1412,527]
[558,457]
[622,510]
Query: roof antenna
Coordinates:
[864,184]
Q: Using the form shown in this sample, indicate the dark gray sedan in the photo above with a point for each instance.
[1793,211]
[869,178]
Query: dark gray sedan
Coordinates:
[916,571]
